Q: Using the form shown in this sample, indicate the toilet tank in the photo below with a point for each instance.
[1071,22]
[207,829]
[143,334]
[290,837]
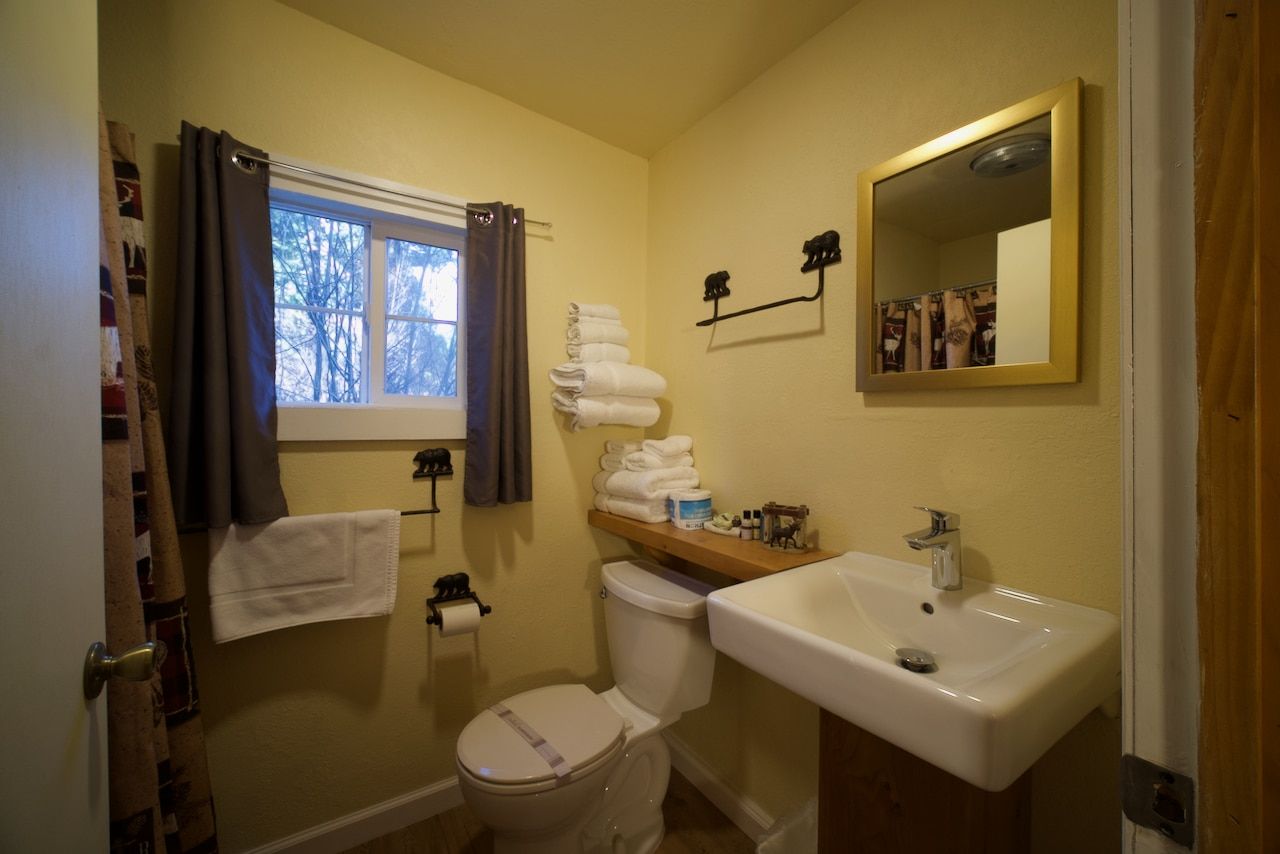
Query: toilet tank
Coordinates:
[659,643]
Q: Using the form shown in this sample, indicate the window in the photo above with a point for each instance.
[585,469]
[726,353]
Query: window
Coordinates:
[368,315]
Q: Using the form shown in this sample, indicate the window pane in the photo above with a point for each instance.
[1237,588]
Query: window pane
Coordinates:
[422,358]
[422,280]
[318,260]
[318,356]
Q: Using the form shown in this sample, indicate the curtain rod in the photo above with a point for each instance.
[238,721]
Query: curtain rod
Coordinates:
[240,156]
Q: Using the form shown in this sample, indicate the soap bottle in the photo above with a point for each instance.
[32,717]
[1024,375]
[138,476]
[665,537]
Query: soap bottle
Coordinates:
[744,531]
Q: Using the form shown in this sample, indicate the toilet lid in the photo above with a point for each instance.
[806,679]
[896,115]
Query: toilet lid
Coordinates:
[574,722]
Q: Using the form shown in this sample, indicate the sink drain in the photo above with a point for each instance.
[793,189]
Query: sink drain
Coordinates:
[916,660]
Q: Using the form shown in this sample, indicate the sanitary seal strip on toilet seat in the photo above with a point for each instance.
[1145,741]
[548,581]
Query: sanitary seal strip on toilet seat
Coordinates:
[549,754]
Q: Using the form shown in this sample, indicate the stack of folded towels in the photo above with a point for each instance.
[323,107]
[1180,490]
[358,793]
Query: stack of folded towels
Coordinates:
[598,385]
[636,477]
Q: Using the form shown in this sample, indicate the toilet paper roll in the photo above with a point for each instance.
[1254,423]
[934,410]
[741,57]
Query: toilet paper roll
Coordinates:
[459,618]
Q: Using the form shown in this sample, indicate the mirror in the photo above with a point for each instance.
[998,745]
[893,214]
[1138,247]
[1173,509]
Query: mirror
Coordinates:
[977,226]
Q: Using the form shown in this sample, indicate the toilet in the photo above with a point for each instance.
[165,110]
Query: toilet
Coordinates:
[561,769]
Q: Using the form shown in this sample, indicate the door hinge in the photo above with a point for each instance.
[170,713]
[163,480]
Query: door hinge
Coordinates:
[1158,798]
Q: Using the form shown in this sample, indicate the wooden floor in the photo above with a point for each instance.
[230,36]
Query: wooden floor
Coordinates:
[694,826]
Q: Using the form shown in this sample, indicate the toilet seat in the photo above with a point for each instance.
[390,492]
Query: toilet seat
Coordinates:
[579,725]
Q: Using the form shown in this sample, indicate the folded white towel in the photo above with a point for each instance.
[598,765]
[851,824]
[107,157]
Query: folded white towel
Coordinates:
[302,569]
[599,479]
[598,352]
[594,309]
[588,411]
[597,333]
[648,485]
[612,462]
[617,446]
[641,511]
[644,461]
[596,378]
[670,446]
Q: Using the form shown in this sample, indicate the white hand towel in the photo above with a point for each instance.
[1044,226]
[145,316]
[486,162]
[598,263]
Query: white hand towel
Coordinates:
[302,569]
[606,409]
[597,333]
[598,352]
[612,462]
[617,446]
[641,511]
[594,309]
[648,485]
[644,461]
[670,446]
[597,378]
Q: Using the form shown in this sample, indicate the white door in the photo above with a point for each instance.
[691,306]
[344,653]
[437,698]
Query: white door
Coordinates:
[53,783]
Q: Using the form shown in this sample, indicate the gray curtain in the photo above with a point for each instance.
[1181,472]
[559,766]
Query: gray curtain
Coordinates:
[222,439]
[499,466]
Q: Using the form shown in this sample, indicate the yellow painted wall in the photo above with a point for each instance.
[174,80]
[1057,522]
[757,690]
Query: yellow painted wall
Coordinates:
[308,724]
[1033,472]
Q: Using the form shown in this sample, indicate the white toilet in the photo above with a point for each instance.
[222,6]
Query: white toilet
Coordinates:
[560,769]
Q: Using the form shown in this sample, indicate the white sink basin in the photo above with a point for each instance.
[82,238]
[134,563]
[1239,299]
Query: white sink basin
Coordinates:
[1014,673]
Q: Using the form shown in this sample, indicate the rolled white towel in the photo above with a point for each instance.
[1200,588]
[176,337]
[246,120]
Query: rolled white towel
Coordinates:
[670,446]
[641,511]
[649,485]
[594,309]
[599,351]
[612,462]
[617,446]
[645,461]
[596,378]
[591,318]
[597,333]
[590,411]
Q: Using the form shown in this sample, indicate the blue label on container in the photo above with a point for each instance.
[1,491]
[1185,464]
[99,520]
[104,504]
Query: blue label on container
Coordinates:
[694,511]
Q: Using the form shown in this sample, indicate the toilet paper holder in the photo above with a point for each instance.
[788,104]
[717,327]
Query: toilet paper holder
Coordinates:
[452,588]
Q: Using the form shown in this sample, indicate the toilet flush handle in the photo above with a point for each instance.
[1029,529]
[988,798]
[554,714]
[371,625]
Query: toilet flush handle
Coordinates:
[604,594]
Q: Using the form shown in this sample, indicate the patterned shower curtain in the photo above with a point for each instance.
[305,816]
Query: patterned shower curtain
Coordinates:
[955,328]
[160,798]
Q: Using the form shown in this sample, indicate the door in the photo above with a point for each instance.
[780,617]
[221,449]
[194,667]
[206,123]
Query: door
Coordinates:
[53,782]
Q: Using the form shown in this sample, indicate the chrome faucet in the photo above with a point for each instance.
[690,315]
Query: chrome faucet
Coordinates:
[943,540]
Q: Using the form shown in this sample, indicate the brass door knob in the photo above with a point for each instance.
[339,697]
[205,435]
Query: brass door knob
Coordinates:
[135,664]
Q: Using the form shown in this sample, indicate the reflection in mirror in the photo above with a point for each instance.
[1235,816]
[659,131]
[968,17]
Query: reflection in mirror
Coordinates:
[968,236]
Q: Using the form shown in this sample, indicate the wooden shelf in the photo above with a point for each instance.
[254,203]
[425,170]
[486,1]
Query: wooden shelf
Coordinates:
[740,559]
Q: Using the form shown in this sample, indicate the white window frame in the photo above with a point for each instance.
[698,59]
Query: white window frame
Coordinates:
[387,216]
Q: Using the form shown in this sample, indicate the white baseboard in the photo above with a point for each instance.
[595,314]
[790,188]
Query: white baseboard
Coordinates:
[348,831]
[359,827]
[749,816]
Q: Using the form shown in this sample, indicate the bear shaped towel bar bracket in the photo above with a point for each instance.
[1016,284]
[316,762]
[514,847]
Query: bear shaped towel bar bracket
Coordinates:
[432,463]
[820,250]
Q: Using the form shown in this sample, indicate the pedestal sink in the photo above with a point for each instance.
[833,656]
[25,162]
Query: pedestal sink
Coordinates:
[1014,671]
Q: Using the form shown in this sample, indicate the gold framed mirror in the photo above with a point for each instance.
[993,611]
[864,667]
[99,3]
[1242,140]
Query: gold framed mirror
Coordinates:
[974,231]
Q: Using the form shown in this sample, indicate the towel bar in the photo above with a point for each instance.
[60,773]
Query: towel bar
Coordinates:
[820,250]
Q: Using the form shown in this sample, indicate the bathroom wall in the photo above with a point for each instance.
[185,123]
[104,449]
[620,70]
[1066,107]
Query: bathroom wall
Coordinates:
[1033,472]
[309,724]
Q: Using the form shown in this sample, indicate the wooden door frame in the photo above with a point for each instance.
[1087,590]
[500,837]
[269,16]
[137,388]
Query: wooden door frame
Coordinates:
[1237,227]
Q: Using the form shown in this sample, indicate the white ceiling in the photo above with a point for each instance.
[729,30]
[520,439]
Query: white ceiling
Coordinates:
[634,73]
